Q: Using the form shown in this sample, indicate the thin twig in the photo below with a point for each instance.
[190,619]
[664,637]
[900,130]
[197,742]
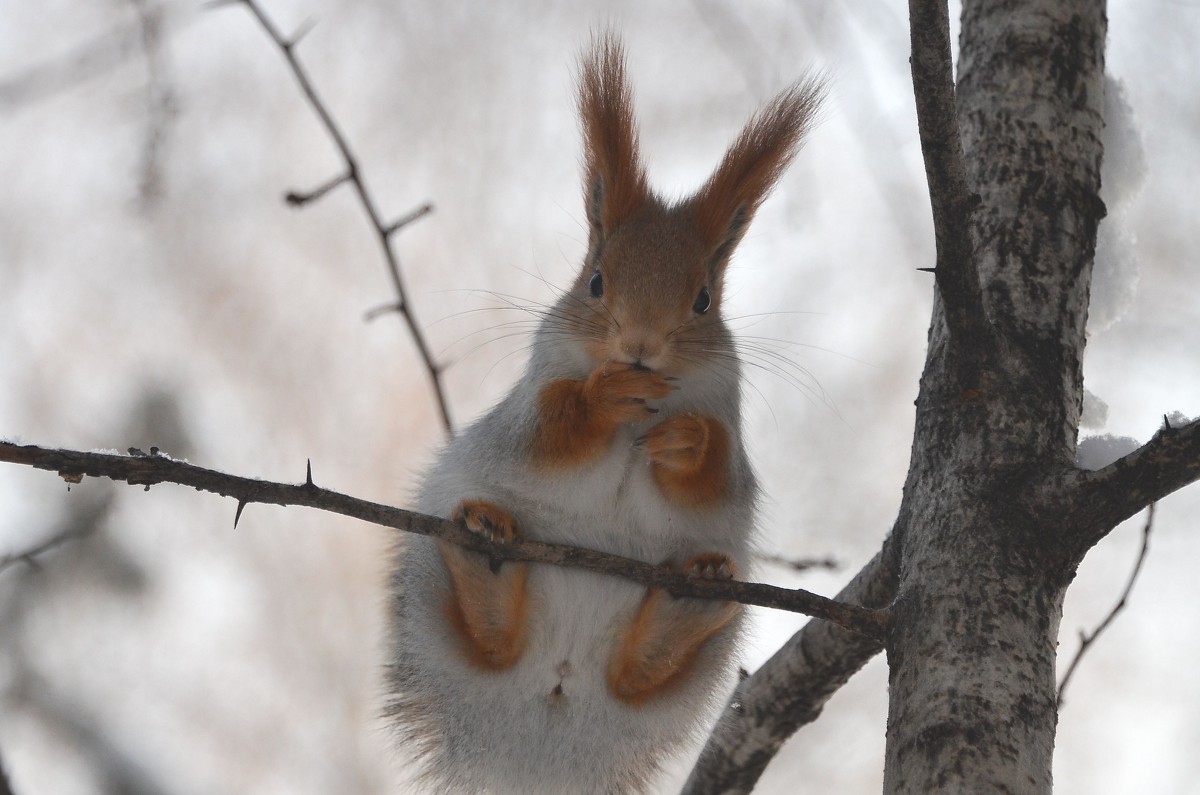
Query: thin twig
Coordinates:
[28,555]
[408,218]
[160,101]
[792,688]
[956,270]
[1086,640]
[801,564]
[353,175]
[147,470]
[382,309]
[94,58]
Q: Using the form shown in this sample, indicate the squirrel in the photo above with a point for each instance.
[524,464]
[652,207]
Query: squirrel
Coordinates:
[623,435]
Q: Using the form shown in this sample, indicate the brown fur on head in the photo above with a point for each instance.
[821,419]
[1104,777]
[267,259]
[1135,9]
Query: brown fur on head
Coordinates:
[661,267]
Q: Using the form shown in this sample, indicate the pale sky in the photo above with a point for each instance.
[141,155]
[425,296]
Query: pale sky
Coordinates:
[206,310]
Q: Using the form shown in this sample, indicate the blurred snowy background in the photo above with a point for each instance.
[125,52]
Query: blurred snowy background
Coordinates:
[156,290]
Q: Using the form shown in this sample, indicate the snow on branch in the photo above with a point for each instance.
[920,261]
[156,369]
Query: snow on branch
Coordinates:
[1099,500]
[143,469]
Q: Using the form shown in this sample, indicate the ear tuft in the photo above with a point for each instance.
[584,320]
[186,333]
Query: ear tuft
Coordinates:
[724,207]
[614,179]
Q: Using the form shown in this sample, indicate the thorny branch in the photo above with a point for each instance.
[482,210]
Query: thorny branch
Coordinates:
[1086,640]
[956,270]
[353,175]
[147,470]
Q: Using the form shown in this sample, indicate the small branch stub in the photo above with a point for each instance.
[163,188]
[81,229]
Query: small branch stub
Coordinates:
[297,199]
[405,220]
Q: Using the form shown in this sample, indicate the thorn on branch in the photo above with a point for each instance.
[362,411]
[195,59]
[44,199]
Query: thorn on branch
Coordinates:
[308,481]
[1086,640]
[297,199]
[953,203]
[405,220]
[352,175]
[237,516]
[928,270]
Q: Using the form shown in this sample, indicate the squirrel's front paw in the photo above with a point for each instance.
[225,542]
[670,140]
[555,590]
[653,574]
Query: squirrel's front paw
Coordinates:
[619,392]
[677,442]
[488,520]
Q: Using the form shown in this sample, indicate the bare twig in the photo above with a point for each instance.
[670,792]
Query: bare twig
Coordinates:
[405,220]
[147,470]
[956,270]
[94,58]
[353,175]
[1085,639]
[801,564]
[298,199]
[30,554]
[114,767]
[791,689]
[160,100]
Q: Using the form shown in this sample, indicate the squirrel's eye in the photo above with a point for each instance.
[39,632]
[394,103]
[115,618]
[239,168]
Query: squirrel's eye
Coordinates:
[596,285]
[703,301]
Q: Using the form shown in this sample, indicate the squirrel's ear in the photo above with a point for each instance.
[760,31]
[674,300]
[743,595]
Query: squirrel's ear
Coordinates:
[724,207]
[614,182]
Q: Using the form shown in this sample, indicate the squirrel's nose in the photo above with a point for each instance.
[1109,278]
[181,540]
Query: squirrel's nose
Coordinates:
[641,350]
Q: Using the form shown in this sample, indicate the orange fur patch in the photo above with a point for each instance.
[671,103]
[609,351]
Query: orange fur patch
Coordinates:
[690,459]
[489,610]
[660,645]
[578,419]
[754,163]
[610,141]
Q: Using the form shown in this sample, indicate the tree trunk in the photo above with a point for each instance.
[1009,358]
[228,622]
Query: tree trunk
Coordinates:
[995,517]
[983,569]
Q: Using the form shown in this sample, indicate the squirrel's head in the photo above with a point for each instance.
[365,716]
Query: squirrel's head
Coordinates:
[651,286]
